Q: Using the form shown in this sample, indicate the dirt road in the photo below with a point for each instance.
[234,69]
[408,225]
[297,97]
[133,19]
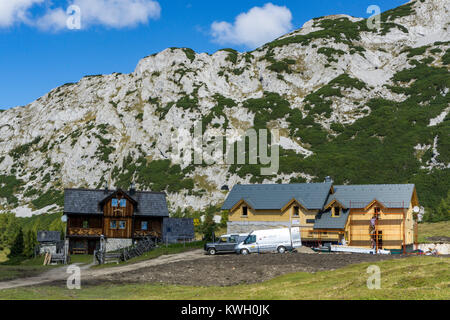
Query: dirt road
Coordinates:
[56,274]
[60,275]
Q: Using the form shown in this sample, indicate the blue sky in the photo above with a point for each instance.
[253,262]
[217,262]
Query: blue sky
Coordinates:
[38,52]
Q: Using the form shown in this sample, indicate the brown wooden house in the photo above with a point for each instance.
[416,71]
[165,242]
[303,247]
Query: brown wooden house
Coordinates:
[121,217]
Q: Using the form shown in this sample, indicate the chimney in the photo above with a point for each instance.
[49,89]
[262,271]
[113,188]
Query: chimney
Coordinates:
[106,187]
[225,188]
[132,188]
[328,179]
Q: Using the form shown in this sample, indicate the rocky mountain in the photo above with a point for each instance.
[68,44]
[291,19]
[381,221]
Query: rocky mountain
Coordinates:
[358,104]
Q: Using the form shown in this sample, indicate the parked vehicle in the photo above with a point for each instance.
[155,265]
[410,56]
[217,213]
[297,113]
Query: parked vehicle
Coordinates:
[280,240]
[225,244]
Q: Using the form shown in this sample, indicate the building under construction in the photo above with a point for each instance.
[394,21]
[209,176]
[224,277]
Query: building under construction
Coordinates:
[368,216]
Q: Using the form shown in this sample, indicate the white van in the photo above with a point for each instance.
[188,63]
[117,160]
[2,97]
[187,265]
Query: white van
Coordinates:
[271,240]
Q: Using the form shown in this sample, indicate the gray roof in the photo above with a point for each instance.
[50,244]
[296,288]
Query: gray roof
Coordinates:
[324,220]
[276,196]
[85,201]
[48,236]
[359,196]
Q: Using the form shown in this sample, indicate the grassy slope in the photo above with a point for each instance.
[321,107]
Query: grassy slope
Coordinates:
[19,268]
[411,278]
[26,268]
[433,229]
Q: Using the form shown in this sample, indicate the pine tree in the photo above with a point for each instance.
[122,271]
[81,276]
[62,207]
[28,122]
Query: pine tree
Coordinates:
[208,226]
[441,213]
[224,219]
[443,210]
[30,242]
[17,246]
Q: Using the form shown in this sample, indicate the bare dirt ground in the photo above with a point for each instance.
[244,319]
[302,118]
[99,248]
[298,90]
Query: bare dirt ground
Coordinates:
[197,269]
[227,270]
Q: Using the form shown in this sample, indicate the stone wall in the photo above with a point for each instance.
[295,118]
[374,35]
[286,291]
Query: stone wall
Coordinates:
[249,226]
[441,248]
[113,244]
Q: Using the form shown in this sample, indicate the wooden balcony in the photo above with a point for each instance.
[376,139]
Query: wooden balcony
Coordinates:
[145,233]
[85,232]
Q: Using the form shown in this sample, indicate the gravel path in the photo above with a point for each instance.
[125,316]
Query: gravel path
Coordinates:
[60,275]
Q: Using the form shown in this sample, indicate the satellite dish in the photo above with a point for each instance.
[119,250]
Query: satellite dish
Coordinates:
[416,209]
[64,218]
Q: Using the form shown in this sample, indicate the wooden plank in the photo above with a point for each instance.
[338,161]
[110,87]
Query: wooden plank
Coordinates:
[381,222]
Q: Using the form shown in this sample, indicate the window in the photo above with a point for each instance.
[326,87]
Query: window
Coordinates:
[85,224]
[122,225]
[245,211]
[250,239]
[377,210]
[123,203]
[144,225]
[336,212]
[113,224]
[310,220]
[223,240]
[296,211]
[114,202]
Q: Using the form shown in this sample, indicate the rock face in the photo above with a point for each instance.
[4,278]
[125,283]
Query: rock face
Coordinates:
[362,105]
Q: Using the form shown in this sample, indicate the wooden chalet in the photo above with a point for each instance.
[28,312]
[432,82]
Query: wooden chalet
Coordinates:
[120,216]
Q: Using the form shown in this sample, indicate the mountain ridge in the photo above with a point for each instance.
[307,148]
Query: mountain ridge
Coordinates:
[326,79]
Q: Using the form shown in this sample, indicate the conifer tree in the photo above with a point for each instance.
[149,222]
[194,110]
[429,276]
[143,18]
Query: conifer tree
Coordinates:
[17,247]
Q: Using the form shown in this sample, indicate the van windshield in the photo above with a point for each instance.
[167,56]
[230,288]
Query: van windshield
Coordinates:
[250,239]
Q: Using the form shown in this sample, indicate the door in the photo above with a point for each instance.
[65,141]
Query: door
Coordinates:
[296,238]
[226,244]
[251,244]
[93,245]
[267,243]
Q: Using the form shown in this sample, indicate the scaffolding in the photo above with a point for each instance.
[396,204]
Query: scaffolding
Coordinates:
[376,235]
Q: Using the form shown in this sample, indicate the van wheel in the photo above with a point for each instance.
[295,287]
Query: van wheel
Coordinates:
[281,249]
[245,252]
[211,251]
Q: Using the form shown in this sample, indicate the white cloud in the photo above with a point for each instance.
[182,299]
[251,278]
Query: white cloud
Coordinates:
[109,13]
[255,27]
[55,19]
[118,13]
[15,11]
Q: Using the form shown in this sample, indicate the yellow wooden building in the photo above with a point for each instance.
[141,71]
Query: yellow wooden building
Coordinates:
[379,216]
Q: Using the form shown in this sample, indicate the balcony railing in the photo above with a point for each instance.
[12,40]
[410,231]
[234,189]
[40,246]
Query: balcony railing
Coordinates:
[89,232]
[145,233]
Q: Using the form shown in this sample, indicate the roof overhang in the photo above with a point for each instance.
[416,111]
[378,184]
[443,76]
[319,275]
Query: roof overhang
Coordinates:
[373,202]
[112,195]
[333,203]
[291,202]
[239,203]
